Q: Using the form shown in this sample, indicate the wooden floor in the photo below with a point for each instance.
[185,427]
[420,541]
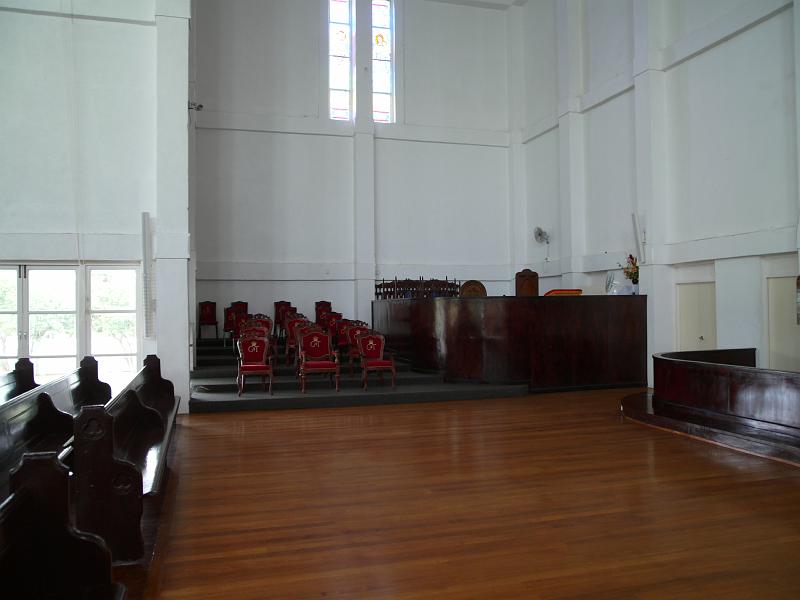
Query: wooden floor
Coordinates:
[549,496]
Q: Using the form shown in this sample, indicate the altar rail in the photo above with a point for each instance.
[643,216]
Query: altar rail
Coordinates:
[720,395]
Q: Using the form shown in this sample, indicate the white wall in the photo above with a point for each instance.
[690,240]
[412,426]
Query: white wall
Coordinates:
[78,97]
[285,210]
[683,112]
[94,99]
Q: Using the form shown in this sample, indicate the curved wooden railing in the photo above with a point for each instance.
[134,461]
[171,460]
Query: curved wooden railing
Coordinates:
[722,396]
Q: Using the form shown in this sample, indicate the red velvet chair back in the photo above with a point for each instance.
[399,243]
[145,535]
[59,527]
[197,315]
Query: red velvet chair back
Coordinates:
[239,306]
[281,307]
[353,332]
[293,324]
[330,320]
[252,331]
[371,345]
[253,350]
[208,313]
[316,345]
[241,321]
[341,330]
[230,319]
[263,321]
[320,308]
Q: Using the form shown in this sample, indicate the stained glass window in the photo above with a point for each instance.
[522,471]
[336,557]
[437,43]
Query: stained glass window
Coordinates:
[382,71]
[340,71]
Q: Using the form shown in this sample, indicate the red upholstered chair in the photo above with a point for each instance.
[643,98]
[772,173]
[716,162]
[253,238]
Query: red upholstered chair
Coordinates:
[370,348]
[564,292]
[329,321]
[229,326]
[320,308]
[239,306]
[317,356]
[254,359]
[352,345]
[281,306]
[340,334]
[263,321]
[207,318]
[291,339]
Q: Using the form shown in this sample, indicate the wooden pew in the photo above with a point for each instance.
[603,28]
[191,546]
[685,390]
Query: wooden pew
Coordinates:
[32,423]
[41,419]
[41,555]
[120,462]
[18,381]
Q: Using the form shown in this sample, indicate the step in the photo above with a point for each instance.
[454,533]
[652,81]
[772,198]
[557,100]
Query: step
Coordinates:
[323,398]
[228,369]
[289,383]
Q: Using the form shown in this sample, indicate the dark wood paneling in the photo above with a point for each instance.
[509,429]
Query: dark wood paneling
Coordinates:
[553,343]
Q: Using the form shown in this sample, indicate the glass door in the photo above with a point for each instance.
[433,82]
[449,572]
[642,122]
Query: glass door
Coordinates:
[52,321]
[113,324]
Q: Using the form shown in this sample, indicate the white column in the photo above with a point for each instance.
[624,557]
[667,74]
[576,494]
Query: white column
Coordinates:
[650,118]
[519,235]
[172,194]
[364,169]
[796,15]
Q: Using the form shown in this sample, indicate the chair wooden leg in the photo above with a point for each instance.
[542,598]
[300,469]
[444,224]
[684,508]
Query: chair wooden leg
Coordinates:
[394,377]
[364,376]
[337,380]
[302,383]
[270,384]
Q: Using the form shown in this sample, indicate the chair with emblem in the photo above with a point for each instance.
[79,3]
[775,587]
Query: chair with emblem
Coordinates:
[229,324]
[207,318]
[291,339]
[254,359]
[352,346]
[370,348]
[340,335]
[321,307]
[329,321]
[317,356]
[281,307]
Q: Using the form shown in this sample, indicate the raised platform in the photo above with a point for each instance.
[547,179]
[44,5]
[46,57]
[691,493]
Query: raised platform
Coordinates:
[213,387]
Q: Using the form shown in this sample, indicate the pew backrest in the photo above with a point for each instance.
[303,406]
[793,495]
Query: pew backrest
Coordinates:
[153,390]
[41,554]
[32,422]
[18,381]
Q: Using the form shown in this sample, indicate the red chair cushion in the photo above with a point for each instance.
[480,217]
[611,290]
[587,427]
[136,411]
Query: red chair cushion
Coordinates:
[379,363]
[255,368]
[319,364]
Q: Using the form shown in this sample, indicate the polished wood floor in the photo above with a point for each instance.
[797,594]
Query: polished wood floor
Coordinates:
[548,496]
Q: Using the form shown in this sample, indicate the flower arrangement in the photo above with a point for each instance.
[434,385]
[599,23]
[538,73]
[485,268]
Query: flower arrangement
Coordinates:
[631,269]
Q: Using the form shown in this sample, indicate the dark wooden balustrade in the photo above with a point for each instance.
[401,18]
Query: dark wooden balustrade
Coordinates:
[721,396]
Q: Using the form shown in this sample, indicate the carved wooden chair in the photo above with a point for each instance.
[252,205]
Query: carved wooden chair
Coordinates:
[254,359]
[321,307]
[370,348]
[281,308]
[317,356]
[340,334]
[239,306]
[329,321]
[352,346]
[291,338]
[229,325]
[207,318]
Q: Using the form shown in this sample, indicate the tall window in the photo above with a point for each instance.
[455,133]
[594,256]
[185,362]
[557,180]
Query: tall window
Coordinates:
[9,328]
[382,72]
[340,52]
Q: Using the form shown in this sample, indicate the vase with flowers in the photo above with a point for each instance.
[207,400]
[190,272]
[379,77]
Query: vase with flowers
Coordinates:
[631,271]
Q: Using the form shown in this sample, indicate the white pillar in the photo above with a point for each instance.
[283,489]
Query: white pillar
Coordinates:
[364,169]
[172,194]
